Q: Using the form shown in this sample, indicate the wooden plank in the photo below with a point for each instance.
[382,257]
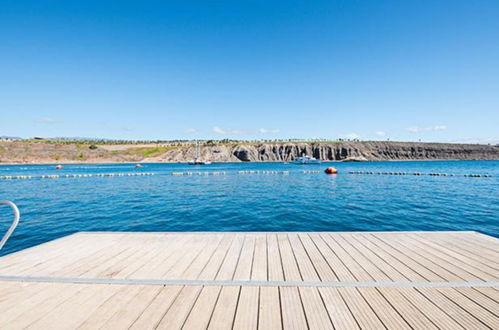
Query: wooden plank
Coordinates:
[368,265]
[247,308]
[80,266]
[25,292]
[353,266]
[11,289]
[385,312]
[315,311]
[152,315]
[161,263]
[338,310]
[487,243]
[432,265]
[180,309]
[225,309]
[470,249]
[456,266]
[259,270]
[212,268]
[491,268]
[269,315]
[483,300]
[39,255]
[85,302]
[434,314]
[115,256]
[409,312]
[201,312]
[189,256]
[309,257]
[452,309]
[202,259]
[130,310]
[229,264]
[192,246]
[153,251]
[472,307]
[109,307]
[381,262]
[389,258]
[33,253]
[245,263]
[307,270]
[320,264]
[416,267]
[341,272]
[489,292]
[275,269]
[289,265]
[57,259]
[293,315]
[364,315]
[29,306]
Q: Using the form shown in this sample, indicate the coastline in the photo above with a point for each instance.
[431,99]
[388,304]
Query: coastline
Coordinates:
[255,162]
[46,152]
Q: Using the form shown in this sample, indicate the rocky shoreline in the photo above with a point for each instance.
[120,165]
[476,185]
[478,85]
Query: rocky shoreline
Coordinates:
[29,152]
[340,151]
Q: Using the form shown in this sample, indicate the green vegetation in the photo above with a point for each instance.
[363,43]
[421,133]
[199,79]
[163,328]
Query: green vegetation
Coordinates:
[91,143]
[149,152]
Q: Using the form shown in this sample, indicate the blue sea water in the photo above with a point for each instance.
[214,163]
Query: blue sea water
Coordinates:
[52,208]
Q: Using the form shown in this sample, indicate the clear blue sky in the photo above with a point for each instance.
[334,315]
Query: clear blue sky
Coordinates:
[404,70]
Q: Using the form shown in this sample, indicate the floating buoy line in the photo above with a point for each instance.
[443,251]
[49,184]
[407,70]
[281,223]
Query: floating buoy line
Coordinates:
[57,176]
[230,172]
[217,173]
[263,172]
[420,174]
[199,173]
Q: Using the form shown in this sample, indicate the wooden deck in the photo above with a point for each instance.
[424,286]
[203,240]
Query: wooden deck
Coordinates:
[403,280]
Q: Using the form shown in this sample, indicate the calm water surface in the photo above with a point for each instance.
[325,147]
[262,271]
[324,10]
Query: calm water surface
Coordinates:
[52,208]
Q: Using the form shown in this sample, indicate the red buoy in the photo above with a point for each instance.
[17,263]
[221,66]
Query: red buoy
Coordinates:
[331,170]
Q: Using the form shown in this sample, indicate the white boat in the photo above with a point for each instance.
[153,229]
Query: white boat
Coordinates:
[306,160]
[197,160]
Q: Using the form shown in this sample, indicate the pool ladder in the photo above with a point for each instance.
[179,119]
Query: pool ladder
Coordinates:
[14,223]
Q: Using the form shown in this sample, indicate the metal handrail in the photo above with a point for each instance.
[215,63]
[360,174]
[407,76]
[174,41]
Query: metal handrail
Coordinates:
[17,215]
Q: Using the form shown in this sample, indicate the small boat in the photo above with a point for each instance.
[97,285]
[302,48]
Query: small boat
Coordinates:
[198,162]
[306,160]
[59,167]
[138,165]
[197,159]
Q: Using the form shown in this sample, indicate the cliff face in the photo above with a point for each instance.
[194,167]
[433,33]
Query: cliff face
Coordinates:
[27,152]
[267,152]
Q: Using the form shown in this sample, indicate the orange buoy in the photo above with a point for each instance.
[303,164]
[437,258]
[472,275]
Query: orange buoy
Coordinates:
[59,167]
[331,170]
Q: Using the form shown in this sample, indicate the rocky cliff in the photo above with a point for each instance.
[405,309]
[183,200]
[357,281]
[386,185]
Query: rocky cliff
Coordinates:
[43,152]
[268,152]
